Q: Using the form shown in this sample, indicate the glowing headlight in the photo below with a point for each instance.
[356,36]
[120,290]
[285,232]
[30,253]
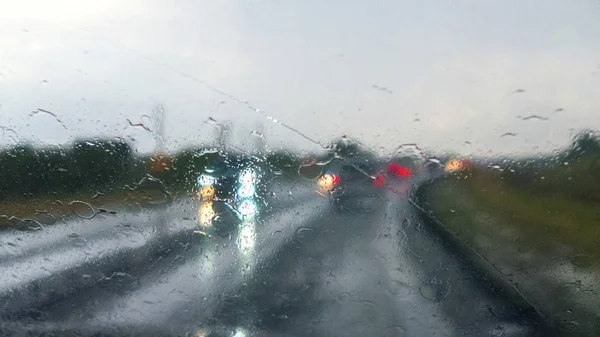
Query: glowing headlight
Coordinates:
[240,333]
[248,176]
[328,181]
[206,213]
[206,180]
[247,237]
[246,191]
[247,181]
[207,192]
[248,208]
[454,165]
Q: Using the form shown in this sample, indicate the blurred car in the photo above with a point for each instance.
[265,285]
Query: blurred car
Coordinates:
[399,171]
[229,191]
[328,182]
[433,169]
[340,176]
[392,171]
[458,164]
[347,184]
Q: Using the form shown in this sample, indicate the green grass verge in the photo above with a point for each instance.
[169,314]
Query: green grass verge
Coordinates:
[546,243]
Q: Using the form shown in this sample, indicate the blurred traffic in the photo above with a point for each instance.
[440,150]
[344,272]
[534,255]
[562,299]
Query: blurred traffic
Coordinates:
[243,213]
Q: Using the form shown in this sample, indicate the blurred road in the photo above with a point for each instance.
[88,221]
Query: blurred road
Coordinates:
[364,264]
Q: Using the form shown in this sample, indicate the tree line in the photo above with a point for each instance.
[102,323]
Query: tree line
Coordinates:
[105,165]
[573,172]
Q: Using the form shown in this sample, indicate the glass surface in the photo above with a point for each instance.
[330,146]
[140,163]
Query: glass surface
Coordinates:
[300,168]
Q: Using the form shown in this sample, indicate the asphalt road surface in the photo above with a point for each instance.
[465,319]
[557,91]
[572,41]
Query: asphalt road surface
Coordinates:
[366,264]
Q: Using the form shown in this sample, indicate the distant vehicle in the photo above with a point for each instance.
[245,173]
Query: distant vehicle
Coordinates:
[458,164]
[391,172]
[232,189]
[340,176]
[396,170]
[433,169]
[328,182]
[346,183]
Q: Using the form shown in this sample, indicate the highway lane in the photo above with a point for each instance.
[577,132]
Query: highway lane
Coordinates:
[366,264]
[41,266]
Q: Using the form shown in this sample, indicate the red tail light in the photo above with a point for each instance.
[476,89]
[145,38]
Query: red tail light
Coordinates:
[335,179]
[378,181]
[403,172]
[399,170]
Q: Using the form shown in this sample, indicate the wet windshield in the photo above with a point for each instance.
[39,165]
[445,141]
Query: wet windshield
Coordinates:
[299,168]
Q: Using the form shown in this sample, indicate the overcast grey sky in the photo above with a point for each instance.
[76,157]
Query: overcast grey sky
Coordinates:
[447,75]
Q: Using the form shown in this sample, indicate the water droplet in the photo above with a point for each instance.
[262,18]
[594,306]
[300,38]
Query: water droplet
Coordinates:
[76,239]
[119,281]
[428,291]
[394,330]
[257,134]
[534,117]
[49,113]
[344,297]
[206,151]
[412,151]
[305,234]
[27,225]
[82,209]
[310,170]
[45,218]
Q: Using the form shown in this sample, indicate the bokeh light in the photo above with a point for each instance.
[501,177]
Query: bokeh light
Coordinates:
[206,213]
[248,208]
[206,180]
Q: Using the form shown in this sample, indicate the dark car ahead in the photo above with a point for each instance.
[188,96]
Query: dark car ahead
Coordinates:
[229,191]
